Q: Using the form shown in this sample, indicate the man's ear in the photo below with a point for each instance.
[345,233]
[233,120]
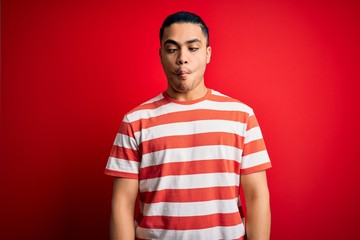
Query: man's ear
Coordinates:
[208,54]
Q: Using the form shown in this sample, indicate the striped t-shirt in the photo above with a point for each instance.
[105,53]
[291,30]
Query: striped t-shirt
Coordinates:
[188,157]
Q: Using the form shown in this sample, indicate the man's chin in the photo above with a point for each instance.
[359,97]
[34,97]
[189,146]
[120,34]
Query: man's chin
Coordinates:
[182,88]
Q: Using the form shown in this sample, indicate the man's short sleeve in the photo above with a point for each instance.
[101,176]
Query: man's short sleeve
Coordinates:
[255,157]
[124,160]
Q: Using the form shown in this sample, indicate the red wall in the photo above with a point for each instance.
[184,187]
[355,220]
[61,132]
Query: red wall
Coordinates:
[71,69]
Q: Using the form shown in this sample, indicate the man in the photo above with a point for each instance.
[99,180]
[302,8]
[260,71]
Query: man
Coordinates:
[186,151]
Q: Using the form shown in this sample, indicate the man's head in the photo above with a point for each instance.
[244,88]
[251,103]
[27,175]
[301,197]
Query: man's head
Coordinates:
[185,17]
[184,54]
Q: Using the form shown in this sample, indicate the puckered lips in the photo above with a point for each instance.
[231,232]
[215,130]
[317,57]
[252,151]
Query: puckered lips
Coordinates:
[182,73]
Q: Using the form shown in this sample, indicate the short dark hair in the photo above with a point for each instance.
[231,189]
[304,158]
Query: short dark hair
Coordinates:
[185,17]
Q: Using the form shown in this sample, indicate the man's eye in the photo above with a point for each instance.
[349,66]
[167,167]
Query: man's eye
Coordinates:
[171,50]
[193,49]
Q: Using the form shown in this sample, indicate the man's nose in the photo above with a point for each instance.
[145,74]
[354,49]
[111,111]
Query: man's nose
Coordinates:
[182,58]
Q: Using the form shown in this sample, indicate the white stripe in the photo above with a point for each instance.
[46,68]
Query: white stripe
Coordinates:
[173,107]
[190,181]
[157,98]
[253,134]
[255,159]
[122,165]
[191,209]
[193,127]
[125,141]
[219,93]
[125,119]
[191,154]
[232,232]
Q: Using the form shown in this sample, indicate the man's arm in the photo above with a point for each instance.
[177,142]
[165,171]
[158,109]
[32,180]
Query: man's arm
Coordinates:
[257,203]
[122,209]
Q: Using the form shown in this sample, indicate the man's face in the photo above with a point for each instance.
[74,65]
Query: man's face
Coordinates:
[184,56]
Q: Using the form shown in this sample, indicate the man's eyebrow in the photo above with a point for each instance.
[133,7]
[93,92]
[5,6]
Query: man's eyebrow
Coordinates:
[170,41]
[193,41]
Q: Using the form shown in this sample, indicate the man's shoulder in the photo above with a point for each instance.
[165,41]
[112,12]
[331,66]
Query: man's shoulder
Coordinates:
[150,104]
[220,97]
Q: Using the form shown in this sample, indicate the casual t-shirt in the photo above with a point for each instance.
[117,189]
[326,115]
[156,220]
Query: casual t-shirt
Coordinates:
[188,157]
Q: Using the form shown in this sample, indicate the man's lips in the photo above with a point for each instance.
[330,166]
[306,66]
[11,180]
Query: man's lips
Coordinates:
[182,73]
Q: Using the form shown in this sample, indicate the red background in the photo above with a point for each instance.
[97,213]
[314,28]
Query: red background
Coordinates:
[71,69]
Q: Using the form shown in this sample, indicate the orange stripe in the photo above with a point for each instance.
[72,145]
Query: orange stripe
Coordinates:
[163,101]
[189,223]
[191,115]
[124,153]
[185,141]
[252,122]
[190,195]
[126,129]
[121,174]
[192,167]
[254,146]
[217,98]
[257,168]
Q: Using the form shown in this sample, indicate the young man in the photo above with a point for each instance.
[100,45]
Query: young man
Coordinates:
[186,151]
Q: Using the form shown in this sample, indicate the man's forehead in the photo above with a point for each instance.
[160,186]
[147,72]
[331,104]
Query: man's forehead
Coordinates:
[183,32]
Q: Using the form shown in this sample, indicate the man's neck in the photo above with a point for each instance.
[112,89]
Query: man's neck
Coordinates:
[194,94]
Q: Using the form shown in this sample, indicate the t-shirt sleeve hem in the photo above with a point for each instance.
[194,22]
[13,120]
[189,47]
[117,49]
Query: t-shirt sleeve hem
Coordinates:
[121,174]
[257,168]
